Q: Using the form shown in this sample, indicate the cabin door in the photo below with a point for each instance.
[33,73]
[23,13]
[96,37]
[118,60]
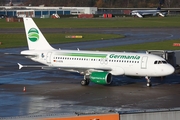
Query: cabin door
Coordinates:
[144,62]
[48,57]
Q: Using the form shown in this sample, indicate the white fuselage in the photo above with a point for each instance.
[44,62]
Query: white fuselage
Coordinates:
[145,11]
[141,13]
[97,67]
[117,63]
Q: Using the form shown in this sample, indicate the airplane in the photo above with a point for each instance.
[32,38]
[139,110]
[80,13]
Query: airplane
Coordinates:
[98,67]
[143,13]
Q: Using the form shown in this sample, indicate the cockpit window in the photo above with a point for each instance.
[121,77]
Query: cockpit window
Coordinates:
[160,62]
[155,62]
[164,62]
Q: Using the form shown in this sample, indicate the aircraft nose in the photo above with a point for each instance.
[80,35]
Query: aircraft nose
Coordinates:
[170,70]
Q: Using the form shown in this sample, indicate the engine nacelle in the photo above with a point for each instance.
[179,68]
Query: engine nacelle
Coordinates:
[101,77]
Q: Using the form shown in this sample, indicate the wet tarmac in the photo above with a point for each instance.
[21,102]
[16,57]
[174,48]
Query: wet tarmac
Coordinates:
[50,91]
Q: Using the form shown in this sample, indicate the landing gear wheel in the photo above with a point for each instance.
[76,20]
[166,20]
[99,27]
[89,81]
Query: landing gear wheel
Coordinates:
[84,82]
[149,84]
[148,81]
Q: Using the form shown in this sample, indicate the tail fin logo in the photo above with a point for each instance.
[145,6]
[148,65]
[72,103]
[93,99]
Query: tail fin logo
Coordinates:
[33,34]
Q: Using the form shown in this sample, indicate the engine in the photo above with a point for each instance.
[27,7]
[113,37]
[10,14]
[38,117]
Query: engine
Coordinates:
[101,77]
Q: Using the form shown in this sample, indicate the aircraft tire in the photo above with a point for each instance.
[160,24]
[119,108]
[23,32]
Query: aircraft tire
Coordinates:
[84,82]
[149,84]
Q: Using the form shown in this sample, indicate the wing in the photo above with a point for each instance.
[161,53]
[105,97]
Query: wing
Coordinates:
[81,70]
[24,55]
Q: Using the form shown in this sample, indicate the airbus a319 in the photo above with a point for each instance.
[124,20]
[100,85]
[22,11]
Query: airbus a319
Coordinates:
[97,67]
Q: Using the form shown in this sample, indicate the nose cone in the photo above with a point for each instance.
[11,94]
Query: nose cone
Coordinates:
[169,69]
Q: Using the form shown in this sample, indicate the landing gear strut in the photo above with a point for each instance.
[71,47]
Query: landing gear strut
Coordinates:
[86,80]
[148,81]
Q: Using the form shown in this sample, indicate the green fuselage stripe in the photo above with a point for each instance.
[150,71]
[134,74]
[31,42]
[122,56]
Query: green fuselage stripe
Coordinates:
[85,55]
[111,56]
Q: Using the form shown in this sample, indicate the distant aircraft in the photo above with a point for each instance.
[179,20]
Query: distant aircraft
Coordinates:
[143,13]
[95,66]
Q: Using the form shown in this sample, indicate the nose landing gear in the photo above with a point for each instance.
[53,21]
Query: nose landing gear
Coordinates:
[148,81]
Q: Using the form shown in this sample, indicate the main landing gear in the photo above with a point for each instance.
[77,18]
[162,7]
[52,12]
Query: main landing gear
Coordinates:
[86,81]
[148,81]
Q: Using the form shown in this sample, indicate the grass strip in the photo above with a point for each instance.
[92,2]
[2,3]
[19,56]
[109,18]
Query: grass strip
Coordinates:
[162,45]
[126,22]
[19,40]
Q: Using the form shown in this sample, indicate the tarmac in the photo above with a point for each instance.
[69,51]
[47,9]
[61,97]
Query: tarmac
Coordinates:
[58,92]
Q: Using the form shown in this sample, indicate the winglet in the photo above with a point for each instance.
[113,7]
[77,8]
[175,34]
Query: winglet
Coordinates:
[20,66]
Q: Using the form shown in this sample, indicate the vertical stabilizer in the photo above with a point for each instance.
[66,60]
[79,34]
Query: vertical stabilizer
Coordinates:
[35,39]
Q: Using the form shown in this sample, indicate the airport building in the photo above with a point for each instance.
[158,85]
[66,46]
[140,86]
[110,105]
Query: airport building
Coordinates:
[41,11]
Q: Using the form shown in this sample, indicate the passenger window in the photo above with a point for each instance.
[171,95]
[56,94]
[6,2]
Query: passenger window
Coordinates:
[155,62]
